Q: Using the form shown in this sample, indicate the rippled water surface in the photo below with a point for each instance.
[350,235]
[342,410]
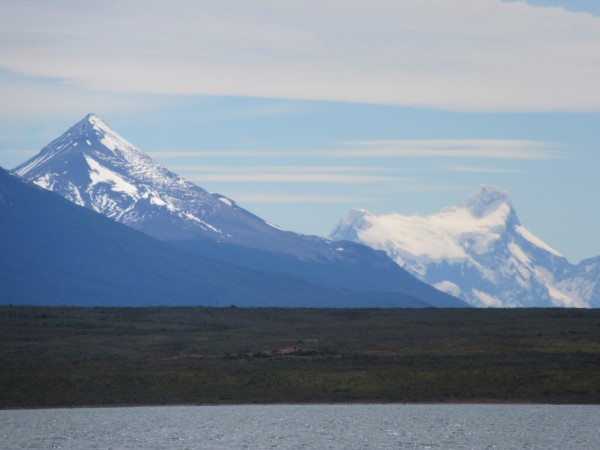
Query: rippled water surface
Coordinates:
[305,427]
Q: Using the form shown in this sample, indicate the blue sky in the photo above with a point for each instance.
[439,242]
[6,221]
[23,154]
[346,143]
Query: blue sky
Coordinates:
[301,110]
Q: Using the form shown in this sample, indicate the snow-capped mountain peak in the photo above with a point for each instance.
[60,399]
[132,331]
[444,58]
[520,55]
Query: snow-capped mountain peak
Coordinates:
[487,199]
[93,166]
[89,139]
[97,123]
[91,123]
[478,251]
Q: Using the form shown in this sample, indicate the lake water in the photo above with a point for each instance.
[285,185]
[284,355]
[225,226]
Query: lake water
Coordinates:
[305,427]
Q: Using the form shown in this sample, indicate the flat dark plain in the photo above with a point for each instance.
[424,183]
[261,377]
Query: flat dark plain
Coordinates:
[65,356]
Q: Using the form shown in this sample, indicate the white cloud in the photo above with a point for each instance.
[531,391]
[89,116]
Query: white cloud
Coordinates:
[289,178]
[176,154]
[484,55]
[28,98]
[441,148]
[288,174]
[280,169]
[477,169]
[292,198]
[452,148]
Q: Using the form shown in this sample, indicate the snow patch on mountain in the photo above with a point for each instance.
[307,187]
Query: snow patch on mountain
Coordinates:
[528,235]
[225,200]
[100,174]
[487,300]
[45,181]
[449,287]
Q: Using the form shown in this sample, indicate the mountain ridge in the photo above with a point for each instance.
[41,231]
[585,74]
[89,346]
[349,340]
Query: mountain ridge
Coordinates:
[93,166]
[53,252]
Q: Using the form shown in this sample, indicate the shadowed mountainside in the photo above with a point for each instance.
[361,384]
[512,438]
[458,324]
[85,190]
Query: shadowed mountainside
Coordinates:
[53,252]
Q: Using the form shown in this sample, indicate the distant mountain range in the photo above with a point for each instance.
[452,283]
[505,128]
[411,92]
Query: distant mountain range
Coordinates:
[479,252]
[94,167]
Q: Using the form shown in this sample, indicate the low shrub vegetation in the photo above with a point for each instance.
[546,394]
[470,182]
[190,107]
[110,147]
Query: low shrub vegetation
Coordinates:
[123,356]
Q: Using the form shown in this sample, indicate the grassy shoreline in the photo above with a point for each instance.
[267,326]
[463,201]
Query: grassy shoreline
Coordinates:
[94,357]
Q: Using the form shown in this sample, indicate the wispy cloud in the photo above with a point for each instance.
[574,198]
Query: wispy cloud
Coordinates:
[27,96]
[269,177]
[223,154]
[478,55]
[283,169]
[291,174]
[443,148]
[292,198]
[466,148]
[478,169]
[273,110]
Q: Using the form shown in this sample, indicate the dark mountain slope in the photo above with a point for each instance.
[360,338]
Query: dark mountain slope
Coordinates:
[53,252]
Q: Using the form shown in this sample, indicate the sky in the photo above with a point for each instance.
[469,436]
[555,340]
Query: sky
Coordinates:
[301,110]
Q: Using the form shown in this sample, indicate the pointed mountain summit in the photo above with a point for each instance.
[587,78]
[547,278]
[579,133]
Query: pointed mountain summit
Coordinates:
[93,166]
[479,252]
[488,199]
